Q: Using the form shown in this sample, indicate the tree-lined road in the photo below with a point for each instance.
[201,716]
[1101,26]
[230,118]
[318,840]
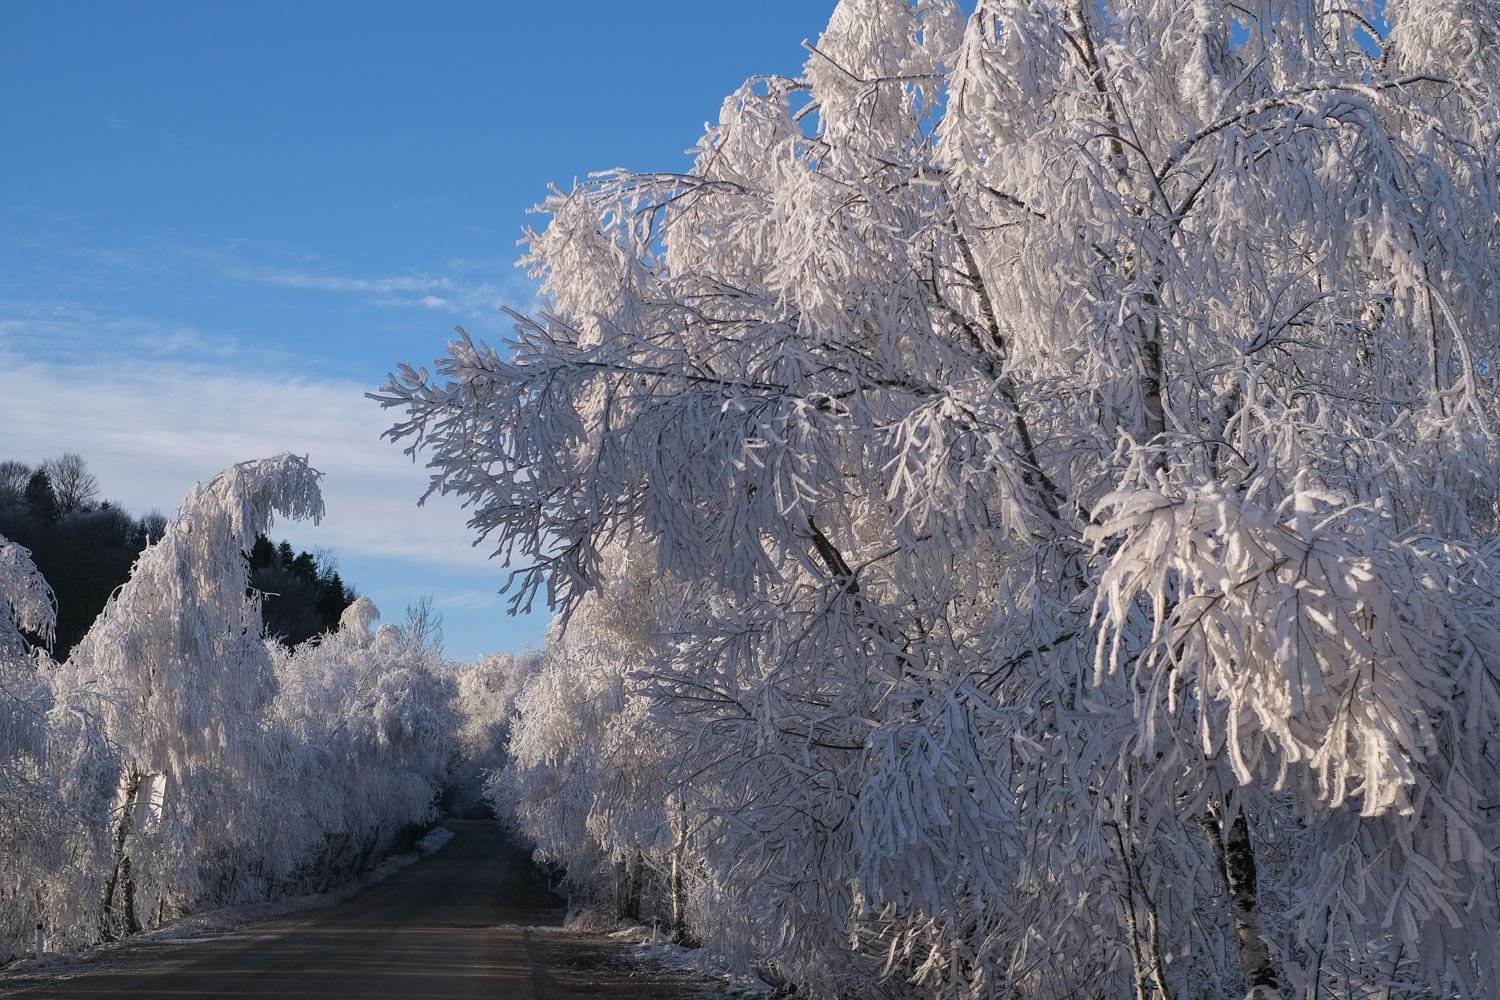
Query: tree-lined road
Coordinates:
[469,921]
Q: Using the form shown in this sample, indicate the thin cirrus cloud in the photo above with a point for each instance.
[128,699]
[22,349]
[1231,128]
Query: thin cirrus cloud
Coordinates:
[341,283]
[66,331]
[437,292]
[471,600]
[82,270]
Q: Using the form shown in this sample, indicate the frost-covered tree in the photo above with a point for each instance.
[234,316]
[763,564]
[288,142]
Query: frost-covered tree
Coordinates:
[369,716]
[182,758]
[1076,424]
[27,605]
[57,770]
[27,797]
[176,675]
[486,690]
[587,776]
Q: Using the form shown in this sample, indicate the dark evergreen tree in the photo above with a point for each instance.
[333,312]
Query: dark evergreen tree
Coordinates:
[305,567]
[85,557]
[333,597]
[262,553]
[40,498]
[301,596]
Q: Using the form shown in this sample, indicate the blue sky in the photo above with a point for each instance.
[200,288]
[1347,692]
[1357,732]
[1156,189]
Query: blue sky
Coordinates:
[221,224]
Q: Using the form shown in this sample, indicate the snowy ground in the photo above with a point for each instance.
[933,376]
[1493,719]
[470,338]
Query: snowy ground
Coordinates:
[649,947]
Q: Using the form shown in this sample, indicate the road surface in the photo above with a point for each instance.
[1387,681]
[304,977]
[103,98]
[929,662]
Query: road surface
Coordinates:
[471,920]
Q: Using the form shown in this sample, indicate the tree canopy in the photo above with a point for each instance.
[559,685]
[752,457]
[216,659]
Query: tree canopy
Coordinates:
[1063,438]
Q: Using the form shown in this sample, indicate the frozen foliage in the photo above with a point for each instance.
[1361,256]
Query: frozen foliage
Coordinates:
[28,805]
[26,602]
[178,759]
[1061,441]
[378,713]
[177,677]
[588,772]
[487,689]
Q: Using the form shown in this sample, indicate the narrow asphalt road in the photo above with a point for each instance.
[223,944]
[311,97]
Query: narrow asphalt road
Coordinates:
[472,920]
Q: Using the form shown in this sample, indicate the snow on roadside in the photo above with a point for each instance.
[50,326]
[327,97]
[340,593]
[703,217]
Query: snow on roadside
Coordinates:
[650,947]
[437,838]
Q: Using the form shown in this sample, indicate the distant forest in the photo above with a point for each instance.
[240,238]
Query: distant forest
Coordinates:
[85,545]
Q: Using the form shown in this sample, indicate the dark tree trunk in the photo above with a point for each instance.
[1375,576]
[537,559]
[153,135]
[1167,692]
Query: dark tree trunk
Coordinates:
[680,933]
[1236,857]
[121,883]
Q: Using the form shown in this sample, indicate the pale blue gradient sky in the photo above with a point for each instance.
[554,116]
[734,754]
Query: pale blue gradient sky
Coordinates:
[221,224]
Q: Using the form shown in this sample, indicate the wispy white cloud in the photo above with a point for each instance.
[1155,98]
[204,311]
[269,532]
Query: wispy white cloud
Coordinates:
[341,283]
[460,294]
[66,333]
[152,429]
[471,600]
